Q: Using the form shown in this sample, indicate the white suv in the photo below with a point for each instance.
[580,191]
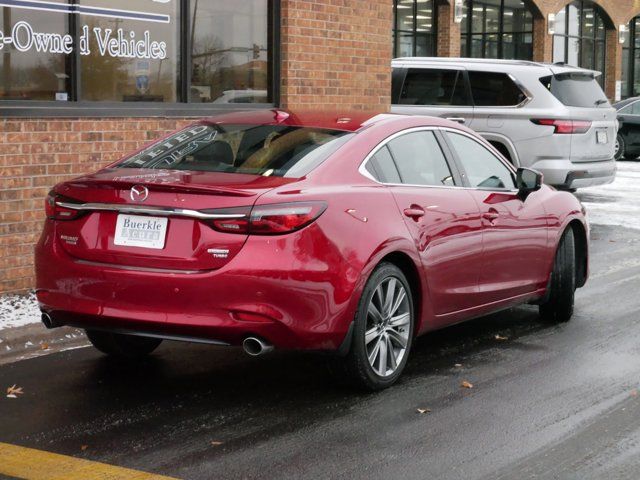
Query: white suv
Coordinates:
[553,118]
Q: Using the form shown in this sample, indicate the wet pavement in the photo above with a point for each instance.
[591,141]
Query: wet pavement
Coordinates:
[547,401]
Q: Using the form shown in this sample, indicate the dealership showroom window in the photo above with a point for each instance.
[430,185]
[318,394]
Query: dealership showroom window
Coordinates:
[199,51]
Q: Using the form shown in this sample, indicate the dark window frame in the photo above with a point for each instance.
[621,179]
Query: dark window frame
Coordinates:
[599,16]
[180,108]
[413,31]
[467,37]
[631,49]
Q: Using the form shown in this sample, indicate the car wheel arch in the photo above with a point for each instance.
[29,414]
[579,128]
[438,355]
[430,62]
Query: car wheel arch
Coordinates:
[408,266]
[581,249]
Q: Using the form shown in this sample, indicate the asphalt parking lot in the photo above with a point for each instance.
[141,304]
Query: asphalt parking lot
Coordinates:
[547,401]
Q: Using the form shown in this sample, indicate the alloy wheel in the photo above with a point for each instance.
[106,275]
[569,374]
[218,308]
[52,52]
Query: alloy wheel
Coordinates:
[388,323]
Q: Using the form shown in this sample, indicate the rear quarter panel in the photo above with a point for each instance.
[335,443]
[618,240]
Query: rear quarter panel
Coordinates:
[360,226]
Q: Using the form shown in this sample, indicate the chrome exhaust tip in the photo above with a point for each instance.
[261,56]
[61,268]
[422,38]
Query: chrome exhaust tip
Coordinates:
[254,346]
[47,320]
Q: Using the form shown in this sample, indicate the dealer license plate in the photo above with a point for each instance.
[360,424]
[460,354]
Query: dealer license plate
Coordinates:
[601,136]
[141,231]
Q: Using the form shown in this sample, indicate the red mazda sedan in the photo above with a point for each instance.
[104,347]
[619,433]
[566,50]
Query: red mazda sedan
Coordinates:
[350,234]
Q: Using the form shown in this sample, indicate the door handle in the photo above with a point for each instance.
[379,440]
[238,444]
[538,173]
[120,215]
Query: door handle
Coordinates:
[491,215]
[459,120]
[414,212]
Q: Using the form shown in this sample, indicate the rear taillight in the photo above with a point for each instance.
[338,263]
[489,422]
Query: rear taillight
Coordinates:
[274,219]
[564,127]
[55,211]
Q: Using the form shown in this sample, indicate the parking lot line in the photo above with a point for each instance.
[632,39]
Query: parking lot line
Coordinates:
[31,464]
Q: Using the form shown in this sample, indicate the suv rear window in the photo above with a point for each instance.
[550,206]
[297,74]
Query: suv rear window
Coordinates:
[490,89]
[268,150]
[576,90]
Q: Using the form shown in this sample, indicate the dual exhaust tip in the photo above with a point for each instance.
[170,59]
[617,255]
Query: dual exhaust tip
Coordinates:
[254,346]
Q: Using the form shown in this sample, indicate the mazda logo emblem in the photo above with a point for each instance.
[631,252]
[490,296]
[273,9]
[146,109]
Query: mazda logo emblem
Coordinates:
[139,193]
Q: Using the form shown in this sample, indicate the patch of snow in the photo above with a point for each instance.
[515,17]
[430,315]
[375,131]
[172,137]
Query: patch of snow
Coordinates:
[18,310]
[618,203]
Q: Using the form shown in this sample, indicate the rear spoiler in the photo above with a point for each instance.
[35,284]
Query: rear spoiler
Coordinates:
[563,69]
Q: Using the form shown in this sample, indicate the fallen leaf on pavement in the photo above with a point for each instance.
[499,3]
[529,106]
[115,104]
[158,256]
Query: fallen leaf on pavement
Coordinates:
[500,337]
[216,444]
[466,384]
[423,410]
[44,346]
[14,391]
[84,447]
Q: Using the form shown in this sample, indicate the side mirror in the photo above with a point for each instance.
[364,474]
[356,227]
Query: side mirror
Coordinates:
[528,181]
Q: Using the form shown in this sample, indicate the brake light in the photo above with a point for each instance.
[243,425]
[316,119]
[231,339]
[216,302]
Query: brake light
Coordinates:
[56,212]
[274,219]
[564,127]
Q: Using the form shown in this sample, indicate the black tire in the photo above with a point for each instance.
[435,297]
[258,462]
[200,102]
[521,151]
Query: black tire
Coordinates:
[621,148]
[356,366]
[123,346]
[558,305]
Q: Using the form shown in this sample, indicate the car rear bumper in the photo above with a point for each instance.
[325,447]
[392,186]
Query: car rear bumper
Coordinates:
[567,174]
[265,291]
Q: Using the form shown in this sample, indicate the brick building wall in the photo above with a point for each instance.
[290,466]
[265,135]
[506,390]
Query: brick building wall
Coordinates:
[37,153]
[336,54]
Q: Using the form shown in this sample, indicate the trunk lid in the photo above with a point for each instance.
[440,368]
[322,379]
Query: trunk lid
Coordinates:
[182,242]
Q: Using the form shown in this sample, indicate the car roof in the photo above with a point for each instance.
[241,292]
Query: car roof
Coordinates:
[625,102]
[556,68]
[348,121]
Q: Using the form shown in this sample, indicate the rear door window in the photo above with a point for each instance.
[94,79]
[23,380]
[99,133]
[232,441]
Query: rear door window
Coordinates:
[490,89]
[576,90]
[420,160]
[424,86]
[483,168]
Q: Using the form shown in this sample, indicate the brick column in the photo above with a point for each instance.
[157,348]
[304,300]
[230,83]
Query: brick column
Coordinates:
[613,63]
[336,54]
[542,41]
[448,35]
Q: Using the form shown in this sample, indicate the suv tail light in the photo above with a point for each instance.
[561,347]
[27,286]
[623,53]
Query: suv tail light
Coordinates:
[273,219]
[564,127]
[55,212]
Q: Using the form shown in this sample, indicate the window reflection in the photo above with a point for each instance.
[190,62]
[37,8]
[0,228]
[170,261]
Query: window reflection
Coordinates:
[107,75]
[497,29]
[229,51]
[33,75]
[580,37]
[631,60]
[415,28]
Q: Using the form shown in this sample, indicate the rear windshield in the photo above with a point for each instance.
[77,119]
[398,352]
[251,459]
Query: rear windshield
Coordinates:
[268,150]
[576,90]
